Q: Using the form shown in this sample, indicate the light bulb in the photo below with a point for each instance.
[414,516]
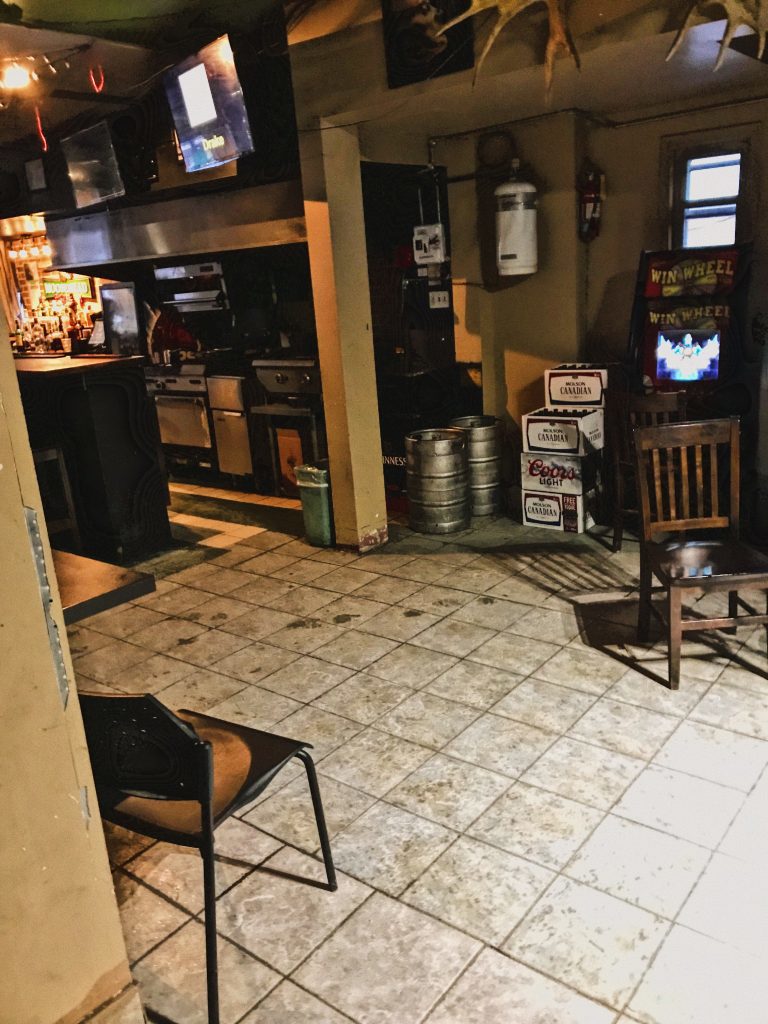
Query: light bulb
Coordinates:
[46,250]
[13,254]
[35,250]
[23,254]
[16,77]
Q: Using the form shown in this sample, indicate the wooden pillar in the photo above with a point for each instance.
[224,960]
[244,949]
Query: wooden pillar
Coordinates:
[333,205]
[61,944]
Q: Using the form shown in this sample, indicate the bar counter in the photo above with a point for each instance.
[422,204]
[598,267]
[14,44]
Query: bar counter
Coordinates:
[68,364]
[96,411]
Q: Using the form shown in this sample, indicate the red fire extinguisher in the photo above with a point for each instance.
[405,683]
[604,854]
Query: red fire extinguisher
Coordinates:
[590,187]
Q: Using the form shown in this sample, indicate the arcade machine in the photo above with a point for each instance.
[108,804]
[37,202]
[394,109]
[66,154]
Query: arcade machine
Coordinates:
[690,330]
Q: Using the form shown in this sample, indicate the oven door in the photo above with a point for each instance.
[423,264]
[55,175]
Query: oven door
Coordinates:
[183,421]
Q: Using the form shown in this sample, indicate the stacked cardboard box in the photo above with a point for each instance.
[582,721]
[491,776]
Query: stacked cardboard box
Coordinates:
[562,445]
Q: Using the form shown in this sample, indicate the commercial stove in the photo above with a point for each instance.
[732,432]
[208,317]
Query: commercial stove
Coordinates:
[202,416]
[291,401]
[180,394]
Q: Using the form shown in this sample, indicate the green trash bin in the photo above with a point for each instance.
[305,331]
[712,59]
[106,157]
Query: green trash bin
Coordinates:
[315,491]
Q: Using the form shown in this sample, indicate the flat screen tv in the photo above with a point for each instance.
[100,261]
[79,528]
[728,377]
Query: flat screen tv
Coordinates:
[208,109]
[688,356]
[92,165]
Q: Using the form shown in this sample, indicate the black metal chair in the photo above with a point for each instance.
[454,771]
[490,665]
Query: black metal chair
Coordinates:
[177,777]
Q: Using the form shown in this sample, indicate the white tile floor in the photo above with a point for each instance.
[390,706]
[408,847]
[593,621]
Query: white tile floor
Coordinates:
[530,828]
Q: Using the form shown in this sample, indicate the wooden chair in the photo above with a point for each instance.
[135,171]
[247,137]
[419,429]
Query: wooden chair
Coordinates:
[177,777]
[688,481]
[637,411]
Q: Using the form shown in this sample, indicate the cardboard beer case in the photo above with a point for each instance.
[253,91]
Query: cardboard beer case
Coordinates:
[576,385]
[559,474]
[566,431]
[566,513]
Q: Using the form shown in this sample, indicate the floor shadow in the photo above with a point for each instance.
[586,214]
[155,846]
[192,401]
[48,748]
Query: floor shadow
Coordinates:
[302,879]
[268,517]
[609,625]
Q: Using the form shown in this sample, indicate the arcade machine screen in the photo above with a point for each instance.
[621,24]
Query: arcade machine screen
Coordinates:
[688,356]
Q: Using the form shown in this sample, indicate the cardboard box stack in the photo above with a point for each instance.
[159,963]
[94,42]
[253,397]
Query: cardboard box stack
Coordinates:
[561,463]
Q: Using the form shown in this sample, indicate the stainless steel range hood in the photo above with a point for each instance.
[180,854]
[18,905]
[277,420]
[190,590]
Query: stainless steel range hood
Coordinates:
[216,222]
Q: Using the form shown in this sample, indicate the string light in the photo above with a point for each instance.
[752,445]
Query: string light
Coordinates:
[40,132]
[15,77]
[97,83]
[16,74]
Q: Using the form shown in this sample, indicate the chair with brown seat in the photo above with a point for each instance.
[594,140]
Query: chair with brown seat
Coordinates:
[633,411]
[177,777]
[688,481]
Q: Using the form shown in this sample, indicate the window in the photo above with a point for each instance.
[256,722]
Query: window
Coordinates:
[708,194]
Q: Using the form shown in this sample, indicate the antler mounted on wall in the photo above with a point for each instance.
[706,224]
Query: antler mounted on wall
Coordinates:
[559,36]
[749,13]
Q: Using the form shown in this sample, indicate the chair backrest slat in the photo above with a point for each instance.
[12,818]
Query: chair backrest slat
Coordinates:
[733,469]
[714,487]
[669,459]
[666,456]
[685,486]
[658,498]
[699,480]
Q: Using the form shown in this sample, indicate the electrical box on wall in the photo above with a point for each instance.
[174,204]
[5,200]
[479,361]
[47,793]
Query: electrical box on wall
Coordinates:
[429,244]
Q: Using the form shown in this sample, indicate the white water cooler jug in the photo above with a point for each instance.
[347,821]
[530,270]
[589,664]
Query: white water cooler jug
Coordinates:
[516,246]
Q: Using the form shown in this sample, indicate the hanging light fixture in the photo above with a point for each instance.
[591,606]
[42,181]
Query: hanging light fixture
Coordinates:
[15,76]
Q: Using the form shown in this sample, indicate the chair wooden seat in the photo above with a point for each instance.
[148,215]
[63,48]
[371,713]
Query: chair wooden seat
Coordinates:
[713,564]
[688,482]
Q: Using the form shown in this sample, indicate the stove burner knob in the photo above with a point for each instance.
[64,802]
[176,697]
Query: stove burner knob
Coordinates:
[280,378]
[306,379]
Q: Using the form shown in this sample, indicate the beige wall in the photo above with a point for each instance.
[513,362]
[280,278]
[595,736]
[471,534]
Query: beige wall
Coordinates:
[61,946]
[532,322]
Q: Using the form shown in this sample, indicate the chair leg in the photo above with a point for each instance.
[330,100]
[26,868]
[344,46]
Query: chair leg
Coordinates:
[618,510]
[675,635]
[322,831]
[211,952]
[644,611]
[733,609]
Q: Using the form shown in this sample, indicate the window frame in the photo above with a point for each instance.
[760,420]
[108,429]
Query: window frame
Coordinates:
[679,174]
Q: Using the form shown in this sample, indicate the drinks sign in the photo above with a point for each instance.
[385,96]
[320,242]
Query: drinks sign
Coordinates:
[79,286]
[564,474]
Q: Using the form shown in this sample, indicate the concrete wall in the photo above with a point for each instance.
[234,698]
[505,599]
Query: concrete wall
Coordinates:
[61,945]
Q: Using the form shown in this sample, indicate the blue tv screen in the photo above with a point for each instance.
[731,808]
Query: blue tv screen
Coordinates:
[687,355]
[208,109]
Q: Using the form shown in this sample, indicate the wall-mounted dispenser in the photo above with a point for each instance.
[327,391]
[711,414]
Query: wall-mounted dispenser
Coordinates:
[516,241]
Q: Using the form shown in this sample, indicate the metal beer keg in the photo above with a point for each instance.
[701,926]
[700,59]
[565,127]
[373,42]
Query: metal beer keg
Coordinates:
[437,474]
[484,462]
